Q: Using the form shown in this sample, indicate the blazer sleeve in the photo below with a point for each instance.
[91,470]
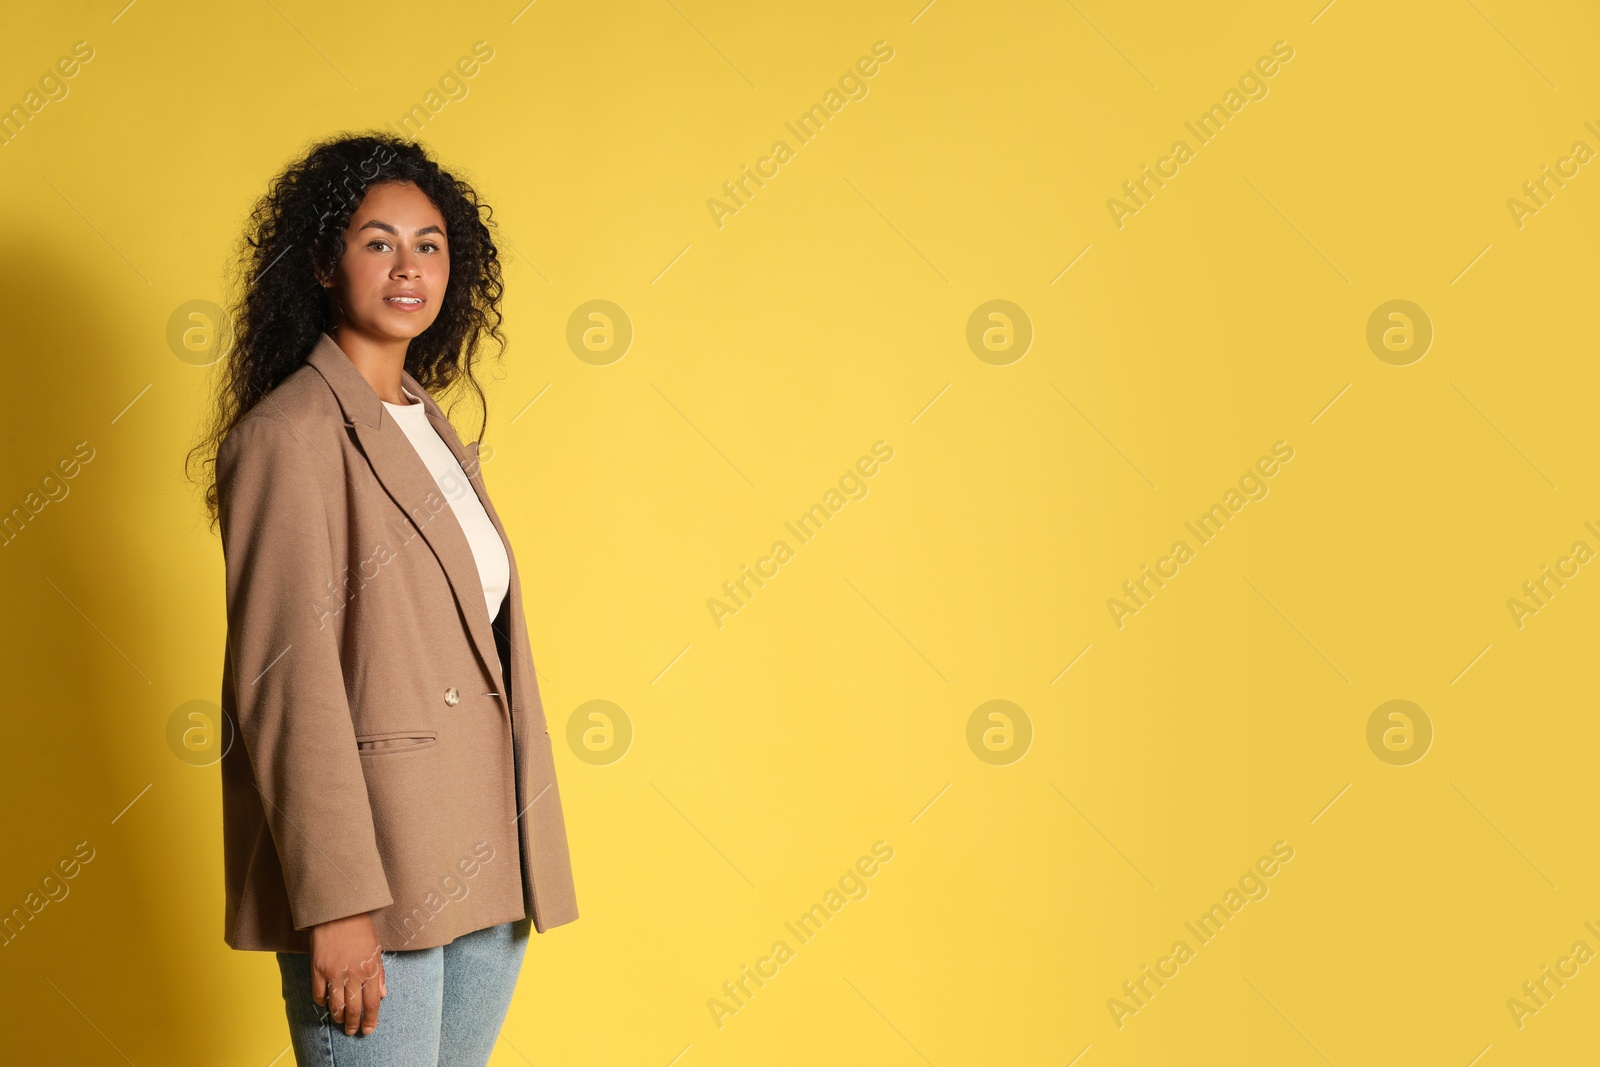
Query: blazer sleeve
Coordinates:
[290,697]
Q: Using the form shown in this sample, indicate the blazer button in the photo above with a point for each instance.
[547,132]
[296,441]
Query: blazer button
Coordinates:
[452,697]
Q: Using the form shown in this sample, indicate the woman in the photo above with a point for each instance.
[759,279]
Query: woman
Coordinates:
[391,822]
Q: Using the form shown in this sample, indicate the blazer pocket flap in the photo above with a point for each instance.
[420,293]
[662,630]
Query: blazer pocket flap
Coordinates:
[395,739]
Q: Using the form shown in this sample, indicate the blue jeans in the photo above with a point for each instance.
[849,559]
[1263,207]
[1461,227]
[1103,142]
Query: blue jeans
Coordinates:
[444,1005]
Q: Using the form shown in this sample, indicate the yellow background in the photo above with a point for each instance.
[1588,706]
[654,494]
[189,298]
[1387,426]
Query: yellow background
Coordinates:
[832,711]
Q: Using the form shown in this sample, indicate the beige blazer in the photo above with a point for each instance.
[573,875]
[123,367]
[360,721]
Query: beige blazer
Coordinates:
[383,761]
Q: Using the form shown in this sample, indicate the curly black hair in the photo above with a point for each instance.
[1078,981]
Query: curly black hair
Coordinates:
[297,229]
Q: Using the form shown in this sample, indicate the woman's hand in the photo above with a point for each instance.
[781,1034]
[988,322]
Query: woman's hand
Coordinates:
[347,971]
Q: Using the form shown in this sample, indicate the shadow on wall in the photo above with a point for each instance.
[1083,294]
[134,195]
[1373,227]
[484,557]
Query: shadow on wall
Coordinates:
[112,908]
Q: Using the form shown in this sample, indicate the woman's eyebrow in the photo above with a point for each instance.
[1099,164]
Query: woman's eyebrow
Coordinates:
[375,224]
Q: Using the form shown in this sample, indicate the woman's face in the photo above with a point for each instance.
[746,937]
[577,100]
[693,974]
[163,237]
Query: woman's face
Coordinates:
[396,263]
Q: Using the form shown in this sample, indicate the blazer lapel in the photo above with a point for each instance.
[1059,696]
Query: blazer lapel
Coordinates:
[467,456]
[406,479]
[512,689]
[518,683]
[471,464]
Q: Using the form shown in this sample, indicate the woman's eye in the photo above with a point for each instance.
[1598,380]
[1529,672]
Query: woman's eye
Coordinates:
[375,243]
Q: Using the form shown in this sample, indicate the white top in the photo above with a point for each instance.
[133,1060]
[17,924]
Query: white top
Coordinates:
[488,551]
